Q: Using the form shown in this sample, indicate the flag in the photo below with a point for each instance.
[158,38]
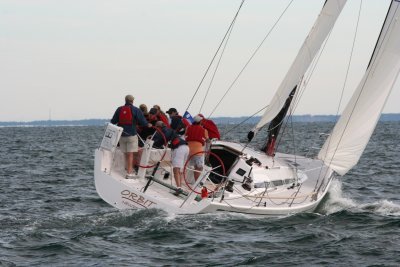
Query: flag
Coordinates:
[188,117]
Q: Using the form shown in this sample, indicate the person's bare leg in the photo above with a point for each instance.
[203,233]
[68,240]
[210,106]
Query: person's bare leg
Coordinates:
[197,172]
[139,157]
[177,176]
[135,156]
[129,160]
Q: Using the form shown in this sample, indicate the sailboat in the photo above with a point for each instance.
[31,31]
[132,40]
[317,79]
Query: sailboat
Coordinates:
[238,178]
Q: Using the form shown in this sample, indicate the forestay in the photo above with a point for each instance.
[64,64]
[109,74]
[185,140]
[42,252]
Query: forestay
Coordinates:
[308,51]
[344,147]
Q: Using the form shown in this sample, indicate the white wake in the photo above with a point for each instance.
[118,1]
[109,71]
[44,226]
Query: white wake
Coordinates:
[338,201]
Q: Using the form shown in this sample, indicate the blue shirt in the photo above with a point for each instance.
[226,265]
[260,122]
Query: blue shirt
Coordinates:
[169,135]
[177,124]
[138,119]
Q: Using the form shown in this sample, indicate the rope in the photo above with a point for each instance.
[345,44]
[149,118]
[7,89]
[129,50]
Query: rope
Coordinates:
[212,60]
[250,59]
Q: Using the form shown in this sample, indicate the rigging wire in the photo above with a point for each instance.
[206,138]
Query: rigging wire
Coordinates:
[216,68]
[212,60]
[248,118]
[250,59]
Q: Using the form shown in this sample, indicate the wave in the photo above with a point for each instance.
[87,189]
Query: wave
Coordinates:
[383,207]
[337,201]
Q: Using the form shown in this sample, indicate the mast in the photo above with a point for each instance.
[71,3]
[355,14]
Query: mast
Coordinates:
[344,147]
[319,32]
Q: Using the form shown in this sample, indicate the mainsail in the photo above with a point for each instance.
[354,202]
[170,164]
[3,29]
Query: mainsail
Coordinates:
[305,56]
[276,124]
[344,147]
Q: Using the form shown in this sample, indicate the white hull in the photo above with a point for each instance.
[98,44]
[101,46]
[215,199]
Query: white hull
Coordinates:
[277,199]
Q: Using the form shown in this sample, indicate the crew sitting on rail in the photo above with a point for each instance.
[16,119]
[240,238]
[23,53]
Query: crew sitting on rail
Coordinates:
[179,148]
[196,136]
[178,123]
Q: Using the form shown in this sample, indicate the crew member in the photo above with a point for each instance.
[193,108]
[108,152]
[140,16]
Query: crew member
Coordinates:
[145,111]
[144,132]
[211,127]
[179,147]
[196,136]
[178,123]
[157,115]
[128,116]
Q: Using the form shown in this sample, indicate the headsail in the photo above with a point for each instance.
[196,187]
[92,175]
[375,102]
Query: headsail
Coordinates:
[344,147]
[305,56]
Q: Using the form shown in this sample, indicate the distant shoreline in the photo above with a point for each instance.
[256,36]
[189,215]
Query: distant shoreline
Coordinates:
[218,120]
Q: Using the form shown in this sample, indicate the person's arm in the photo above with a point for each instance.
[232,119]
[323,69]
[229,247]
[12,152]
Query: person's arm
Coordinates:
[206,135]
[158,140]
[114,119]
[185,134]
[141,120]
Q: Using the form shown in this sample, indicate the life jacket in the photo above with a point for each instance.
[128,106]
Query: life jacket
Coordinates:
[125,116]
[184,121]
[167,134]
[177,141]
[179,124]
[212,129]
[164,119]
[196,133]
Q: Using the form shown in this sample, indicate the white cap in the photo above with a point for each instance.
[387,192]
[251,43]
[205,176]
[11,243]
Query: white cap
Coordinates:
[197,118]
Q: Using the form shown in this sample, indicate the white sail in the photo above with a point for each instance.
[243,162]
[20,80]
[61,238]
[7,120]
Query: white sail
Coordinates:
[306,54]
[344,147]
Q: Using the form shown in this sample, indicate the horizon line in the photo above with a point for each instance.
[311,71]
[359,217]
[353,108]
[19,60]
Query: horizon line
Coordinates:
[216,117]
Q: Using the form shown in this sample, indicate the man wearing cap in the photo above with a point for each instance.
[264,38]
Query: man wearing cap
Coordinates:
[178,123]
[128,117]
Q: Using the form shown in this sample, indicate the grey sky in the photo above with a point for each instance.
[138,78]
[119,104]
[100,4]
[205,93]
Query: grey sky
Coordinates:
[80,58]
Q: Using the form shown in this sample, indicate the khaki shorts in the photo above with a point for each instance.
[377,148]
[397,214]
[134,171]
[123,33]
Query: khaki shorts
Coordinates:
[197,161]
[128,144]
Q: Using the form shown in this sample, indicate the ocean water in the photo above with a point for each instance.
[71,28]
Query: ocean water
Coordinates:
[51,215]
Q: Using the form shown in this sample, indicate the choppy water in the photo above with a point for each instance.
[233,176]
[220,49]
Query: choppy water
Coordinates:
[51,215]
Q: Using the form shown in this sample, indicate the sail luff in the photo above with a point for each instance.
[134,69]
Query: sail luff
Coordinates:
[351,134]
[305,56]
